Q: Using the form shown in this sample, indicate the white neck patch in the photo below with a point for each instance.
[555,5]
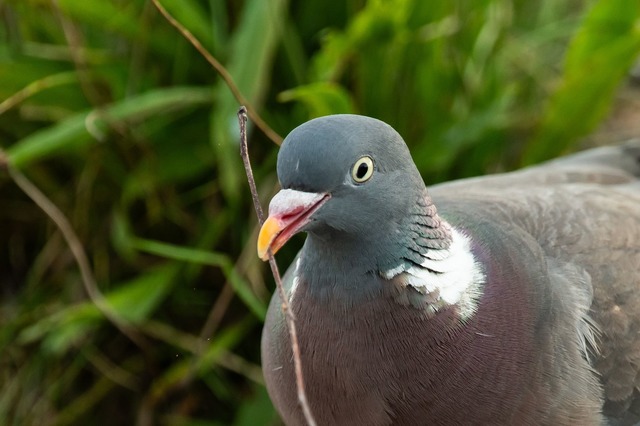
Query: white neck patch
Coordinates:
[452,273]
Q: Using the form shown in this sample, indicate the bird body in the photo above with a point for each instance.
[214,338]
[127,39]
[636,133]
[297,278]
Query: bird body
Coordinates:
[512,299]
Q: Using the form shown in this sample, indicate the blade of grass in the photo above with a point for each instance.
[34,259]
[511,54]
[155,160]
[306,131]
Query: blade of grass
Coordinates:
[174,376]
[184,254]
[600,55]
[122,19]
[254,46]
[222,71]
[79,254]
[74,131]
[132,300]
[38,86]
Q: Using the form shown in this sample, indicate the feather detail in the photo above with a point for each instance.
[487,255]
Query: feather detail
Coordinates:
[452,274]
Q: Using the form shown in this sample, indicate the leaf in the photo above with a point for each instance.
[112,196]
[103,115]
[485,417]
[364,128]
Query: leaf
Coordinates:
[74,131]
[191,14]
[224,340]
[256,410]
[322,98]
[600,55]
[254,46]
[184,254]
[119,17]
[133,301]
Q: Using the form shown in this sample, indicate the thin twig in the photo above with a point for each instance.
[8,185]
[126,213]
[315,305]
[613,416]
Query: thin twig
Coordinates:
[76,248]
[222,71]
[244,153]
[291,324]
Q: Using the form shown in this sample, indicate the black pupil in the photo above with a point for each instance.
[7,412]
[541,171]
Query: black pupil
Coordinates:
[363,168]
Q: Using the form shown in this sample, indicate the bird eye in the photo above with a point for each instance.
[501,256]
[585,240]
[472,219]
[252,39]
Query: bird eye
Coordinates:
[362,169]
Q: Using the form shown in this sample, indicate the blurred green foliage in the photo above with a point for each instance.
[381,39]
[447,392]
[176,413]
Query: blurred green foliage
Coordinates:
[115,116]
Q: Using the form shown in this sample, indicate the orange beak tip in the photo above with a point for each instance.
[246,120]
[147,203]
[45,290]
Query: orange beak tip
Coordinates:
[268,233]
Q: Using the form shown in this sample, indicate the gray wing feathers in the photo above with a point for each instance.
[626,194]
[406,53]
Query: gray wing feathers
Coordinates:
[605,165]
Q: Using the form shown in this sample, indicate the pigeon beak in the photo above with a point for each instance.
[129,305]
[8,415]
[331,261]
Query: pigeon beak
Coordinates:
[289,211]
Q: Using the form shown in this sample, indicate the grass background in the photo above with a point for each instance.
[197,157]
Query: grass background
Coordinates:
[113,115]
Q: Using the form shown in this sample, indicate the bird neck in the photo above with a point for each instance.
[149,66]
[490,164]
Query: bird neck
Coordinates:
[332,255]
[446,277]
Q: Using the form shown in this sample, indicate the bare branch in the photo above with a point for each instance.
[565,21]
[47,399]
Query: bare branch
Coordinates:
[290,319]
[222,71]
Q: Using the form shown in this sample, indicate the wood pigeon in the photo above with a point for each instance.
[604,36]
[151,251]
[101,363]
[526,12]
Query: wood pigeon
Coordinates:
[511,299]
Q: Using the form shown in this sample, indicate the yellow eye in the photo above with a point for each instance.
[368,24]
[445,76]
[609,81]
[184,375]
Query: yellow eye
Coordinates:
[362,170]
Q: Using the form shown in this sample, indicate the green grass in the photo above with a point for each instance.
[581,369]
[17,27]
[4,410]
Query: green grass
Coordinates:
[131,133]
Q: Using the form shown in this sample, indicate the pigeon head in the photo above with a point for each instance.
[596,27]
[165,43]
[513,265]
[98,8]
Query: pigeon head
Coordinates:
[323,155]
[348,181]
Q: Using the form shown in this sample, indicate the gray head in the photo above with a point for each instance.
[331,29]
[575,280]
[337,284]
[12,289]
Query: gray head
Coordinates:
[319,154]
[350,182]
